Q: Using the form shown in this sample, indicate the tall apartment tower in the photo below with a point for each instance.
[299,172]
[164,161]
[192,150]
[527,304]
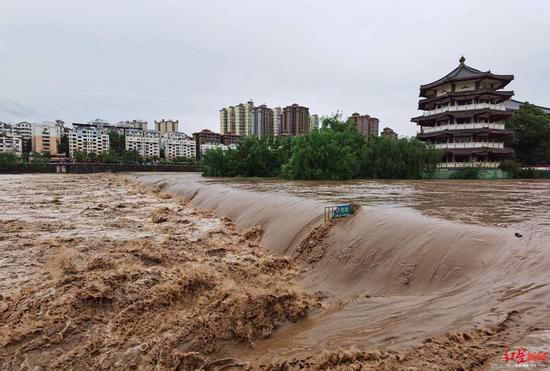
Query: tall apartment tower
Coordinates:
[262,121]
[295,120]
[366,125]
[277,120]
[464,115]
[237,119]
[313,121]
[166,126]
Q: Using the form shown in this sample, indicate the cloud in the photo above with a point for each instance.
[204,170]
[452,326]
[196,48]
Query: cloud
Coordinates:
[14,108]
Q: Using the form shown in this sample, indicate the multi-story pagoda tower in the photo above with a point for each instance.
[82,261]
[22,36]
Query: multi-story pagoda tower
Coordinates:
[464,116]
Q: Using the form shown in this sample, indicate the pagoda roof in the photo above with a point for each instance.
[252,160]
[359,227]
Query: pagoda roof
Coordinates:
[465,72]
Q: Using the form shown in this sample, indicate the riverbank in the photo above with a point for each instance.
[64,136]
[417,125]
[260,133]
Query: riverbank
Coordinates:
[163,270]
[86,168]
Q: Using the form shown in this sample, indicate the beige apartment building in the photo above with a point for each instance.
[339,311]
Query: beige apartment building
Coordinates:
[166,126]
[388,134]
[136,124]
[45,137]
[366,124]
[237,119]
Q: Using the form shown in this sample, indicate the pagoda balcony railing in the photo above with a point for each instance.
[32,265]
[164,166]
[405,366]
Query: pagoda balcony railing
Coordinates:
[466,107]
[469,145]
[475,125]
[484,164]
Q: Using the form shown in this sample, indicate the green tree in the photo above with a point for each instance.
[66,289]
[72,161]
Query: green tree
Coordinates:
[327,153]
[63,145]
[8,160]
[108,157]
[131,157]
[531,135]
[398,159]
[117,142]
[80,156]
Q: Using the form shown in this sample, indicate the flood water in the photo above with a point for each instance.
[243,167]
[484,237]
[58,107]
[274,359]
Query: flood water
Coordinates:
[524,204]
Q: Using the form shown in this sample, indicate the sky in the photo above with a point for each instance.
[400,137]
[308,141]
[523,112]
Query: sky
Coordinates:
[77,60]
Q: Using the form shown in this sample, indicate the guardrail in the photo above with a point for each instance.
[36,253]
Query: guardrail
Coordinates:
[470,145]
[465,107]
[475,125]
[339,211]
[483,164]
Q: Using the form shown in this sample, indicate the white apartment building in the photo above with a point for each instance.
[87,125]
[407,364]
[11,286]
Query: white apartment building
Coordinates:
[24,130]
[10,143]
[146,143]
[178,145]
[208,146]
[88,138]
[277,120]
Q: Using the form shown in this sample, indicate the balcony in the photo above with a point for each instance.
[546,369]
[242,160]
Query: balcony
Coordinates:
[469,145]
[466,107]
[475,125]
[485,164]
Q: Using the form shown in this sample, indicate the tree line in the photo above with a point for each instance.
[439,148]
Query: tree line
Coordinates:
[336,151]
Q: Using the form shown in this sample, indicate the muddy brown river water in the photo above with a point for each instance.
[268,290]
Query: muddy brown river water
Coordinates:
[180,271]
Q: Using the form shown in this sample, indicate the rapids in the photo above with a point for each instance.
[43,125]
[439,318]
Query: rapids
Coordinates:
[420,258]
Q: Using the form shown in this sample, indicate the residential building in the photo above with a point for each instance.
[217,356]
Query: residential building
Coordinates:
[262,121]
[295,120]
[88,138]
[464,115]
[11,143]
[167,126]
[146,143]
[208,146]
[231,138]
[136,124]
[277,120]
[206,136]
[313,121]
[45,137]
[237,119]
[366,124]
[6,128]
[388,133]
[24,130]
[178,145]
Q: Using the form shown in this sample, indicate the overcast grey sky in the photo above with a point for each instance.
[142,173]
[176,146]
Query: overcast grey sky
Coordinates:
[78,60]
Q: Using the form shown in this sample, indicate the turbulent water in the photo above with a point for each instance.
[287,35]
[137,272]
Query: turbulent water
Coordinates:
[425,275]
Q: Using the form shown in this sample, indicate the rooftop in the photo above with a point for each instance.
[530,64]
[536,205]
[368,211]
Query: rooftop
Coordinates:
[465,72]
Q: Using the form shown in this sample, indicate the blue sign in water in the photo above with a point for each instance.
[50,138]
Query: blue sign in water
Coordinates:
[340,211]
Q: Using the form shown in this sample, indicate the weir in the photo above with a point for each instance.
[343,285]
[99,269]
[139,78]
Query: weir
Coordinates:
[390,276]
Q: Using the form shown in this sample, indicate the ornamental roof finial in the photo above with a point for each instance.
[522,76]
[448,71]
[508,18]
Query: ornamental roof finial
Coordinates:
[462,60]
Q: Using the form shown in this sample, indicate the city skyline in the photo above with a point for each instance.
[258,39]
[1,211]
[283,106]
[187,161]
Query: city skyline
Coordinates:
[77,61]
